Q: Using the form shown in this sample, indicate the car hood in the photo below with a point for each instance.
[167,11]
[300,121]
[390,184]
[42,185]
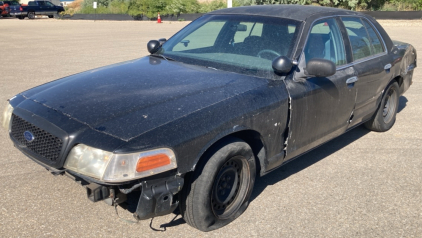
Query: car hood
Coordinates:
[128,99]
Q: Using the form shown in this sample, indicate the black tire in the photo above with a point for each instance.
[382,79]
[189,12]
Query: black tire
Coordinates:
[218,191]
[50,16]
[385,117]
[31,15]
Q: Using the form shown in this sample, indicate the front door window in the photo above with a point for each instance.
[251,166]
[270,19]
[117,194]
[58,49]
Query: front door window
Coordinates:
[325,42]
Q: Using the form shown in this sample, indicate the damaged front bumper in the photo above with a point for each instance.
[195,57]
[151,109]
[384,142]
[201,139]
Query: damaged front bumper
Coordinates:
[155,197]
[145,197]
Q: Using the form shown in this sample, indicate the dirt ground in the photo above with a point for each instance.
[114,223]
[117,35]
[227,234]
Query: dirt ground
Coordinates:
[362,184]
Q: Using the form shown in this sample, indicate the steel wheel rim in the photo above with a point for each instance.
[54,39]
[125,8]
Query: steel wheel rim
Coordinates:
[230,187]
[390,105]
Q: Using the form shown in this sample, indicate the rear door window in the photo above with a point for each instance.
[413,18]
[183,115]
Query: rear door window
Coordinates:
[363,38]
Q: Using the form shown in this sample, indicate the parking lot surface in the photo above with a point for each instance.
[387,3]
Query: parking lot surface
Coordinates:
[362,184]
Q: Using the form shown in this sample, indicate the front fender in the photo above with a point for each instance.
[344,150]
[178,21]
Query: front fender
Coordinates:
[262,111]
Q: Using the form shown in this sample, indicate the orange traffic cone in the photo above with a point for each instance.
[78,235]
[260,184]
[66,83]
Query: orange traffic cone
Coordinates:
[159,18]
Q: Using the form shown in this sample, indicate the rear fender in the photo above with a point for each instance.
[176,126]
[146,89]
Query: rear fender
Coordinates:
[405,63]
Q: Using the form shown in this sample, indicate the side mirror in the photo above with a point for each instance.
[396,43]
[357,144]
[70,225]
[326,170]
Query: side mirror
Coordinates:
[162,41]
[153,46]
[282,65]
[320,68]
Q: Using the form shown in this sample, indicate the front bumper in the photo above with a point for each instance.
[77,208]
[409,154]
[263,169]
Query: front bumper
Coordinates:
[157,196]
[148,197]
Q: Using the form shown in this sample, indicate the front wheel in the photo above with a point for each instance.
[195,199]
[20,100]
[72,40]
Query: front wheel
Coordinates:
[218,191]
[385,117]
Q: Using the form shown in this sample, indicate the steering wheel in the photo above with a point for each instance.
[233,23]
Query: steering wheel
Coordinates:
[267,51]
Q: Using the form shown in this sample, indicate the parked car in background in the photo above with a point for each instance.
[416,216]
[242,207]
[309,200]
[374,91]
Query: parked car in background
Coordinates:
[236,94]
[5,7]
[36,8]
[12,6]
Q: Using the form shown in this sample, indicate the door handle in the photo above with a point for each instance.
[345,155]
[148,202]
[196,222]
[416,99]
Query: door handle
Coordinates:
[352,80]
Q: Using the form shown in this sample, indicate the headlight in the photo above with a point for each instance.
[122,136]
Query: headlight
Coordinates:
[110,167]
[7,115]
[88,161]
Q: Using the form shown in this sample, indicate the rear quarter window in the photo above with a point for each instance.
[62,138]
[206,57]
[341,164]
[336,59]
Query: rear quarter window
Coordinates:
[377,46]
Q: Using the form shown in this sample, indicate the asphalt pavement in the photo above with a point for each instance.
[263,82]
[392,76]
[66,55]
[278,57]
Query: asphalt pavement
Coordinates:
[362,184]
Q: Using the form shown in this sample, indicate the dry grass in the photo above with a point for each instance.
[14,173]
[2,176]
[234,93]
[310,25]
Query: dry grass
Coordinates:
[74,7]
[76,4]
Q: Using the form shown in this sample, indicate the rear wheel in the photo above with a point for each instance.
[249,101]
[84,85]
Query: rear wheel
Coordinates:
[385,116]
[218,191]
[31,15]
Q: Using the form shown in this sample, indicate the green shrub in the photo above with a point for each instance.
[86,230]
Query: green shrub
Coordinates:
[212,6]
[373,5]
[150,8]
[177,7]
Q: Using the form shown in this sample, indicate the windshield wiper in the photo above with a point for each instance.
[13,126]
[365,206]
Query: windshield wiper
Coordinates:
[164,57]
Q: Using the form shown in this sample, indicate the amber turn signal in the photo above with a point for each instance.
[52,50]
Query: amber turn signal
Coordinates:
[152,162]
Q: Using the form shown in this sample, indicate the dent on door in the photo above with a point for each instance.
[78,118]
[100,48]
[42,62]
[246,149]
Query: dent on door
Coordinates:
[320,108]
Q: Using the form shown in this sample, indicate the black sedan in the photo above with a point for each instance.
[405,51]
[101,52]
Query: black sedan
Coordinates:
[237,93]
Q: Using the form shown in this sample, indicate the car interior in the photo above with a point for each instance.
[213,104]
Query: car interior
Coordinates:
[325,42]
[274,39]
[249,39]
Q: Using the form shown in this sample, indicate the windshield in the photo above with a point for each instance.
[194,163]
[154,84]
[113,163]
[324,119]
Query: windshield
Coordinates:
[237,43]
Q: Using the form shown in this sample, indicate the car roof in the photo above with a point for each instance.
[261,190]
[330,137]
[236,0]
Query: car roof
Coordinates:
[294,12]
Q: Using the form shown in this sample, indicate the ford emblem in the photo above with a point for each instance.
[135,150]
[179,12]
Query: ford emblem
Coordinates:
[28,136]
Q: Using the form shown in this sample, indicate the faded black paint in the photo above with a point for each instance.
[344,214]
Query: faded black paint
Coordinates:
[139,105]
[150,103]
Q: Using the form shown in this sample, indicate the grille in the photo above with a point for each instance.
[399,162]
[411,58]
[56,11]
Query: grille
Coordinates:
[44,143]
